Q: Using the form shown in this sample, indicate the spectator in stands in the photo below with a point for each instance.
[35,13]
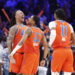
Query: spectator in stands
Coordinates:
[1,62]
[10,3]
[1,48]
[5,60]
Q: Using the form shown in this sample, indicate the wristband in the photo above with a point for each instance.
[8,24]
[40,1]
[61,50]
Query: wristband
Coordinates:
[16,48]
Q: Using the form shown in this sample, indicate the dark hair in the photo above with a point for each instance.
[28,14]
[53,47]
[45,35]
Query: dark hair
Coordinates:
[60,14]
[13,20]
[36,19]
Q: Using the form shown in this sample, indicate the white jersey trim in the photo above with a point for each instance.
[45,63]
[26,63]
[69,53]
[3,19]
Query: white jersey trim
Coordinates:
[53,25]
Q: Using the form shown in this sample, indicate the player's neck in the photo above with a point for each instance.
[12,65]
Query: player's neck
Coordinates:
[59,19]
[19,23]
[33,25]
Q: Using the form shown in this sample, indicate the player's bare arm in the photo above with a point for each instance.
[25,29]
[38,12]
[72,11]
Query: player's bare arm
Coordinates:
[44,42]
[73,38]
[72,35]
[26,34]
[12,33]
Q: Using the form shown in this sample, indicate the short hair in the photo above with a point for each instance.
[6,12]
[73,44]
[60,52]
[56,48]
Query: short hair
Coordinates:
[36,19]
[60,14]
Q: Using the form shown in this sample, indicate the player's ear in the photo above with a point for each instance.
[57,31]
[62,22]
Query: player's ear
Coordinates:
[34,22]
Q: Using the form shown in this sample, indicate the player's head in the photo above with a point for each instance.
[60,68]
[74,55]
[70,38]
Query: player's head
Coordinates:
[59,14]
[34,20]
[17,16]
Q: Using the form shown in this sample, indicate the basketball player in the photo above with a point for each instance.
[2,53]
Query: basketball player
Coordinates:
[32,38]
[15,35]
[60,39]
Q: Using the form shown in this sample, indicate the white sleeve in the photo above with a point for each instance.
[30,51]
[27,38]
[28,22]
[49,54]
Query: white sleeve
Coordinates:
[52,25]
[53,32]
[72,31]
[52,37]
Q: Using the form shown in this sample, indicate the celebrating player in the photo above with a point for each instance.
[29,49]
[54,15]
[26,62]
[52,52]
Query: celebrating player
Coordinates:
[60,39]
[32,38]
[15,34]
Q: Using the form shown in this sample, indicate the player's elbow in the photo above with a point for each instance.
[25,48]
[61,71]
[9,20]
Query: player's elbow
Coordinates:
[20,43]
[45,46]
[73,38]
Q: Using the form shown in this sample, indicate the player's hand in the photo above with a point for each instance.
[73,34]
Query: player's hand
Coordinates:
[42,63]
[11,58]
[2,63]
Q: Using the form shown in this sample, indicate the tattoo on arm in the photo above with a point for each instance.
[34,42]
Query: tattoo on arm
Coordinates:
[26,34]
[12,33]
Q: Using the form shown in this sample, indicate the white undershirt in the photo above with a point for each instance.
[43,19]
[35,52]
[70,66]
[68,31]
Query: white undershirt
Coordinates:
[53,32]
[53,25]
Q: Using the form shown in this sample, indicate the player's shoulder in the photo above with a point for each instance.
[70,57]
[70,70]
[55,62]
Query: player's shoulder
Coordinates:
[28,29]
[71,28]
[70,25]
[13,30]
[52,24]
[39,29]
[13,27]
[35,28]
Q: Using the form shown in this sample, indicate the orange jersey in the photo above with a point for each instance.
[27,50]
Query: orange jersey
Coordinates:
[18,37]
[32,43]
[63,35]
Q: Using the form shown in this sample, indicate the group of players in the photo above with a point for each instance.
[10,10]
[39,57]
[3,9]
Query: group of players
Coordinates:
[24,42]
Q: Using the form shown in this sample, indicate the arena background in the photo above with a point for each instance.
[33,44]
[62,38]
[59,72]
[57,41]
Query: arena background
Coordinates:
[43,8]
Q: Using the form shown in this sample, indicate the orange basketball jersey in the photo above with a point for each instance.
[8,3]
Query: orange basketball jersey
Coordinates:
[32,43]
[18,37]
[63,35]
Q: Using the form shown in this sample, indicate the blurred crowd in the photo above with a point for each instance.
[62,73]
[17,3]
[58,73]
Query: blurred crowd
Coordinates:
[31,7]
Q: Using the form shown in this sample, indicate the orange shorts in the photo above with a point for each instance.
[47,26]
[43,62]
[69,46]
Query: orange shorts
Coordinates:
[62,59]
[30,64]
[17,66]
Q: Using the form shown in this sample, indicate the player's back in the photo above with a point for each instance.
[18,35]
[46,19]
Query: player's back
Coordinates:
[63,35]
[18,36]
[32,43]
